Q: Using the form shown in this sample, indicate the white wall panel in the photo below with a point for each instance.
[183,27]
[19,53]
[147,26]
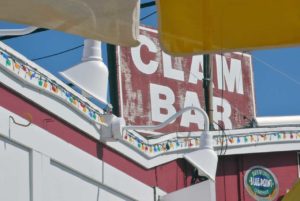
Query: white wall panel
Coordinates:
[14,172]
[63,184]
[35,165]
[113,178]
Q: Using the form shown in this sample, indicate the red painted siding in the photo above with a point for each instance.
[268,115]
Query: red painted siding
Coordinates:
[171,176]
[47,121]
[162,176]
[231,170]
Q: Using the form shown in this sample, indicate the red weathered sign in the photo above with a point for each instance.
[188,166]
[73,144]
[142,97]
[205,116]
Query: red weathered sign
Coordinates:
[154,85]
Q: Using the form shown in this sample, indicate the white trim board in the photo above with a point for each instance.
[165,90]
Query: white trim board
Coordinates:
[64,112]
[61,110]
[46,101]
[52,105]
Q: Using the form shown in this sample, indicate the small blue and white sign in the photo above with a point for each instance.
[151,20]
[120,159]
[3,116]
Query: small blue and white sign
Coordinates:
[261,183]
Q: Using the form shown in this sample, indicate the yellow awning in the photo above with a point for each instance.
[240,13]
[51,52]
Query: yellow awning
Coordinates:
[204,26]
[293,194]
[113,21]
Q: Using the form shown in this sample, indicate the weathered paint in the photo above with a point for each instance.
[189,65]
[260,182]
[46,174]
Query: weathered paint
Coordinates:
[154,85]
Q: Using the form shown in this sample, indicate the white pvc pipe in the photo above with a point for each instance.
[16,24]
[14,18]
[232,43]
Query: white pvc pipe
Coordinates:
[17,32]
[92,50]
[206,140]
[278,121]
[170,119]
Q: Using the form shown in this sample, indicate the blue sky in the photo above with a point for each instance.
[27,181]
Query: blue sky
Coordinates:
[276,71]
[277,81]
